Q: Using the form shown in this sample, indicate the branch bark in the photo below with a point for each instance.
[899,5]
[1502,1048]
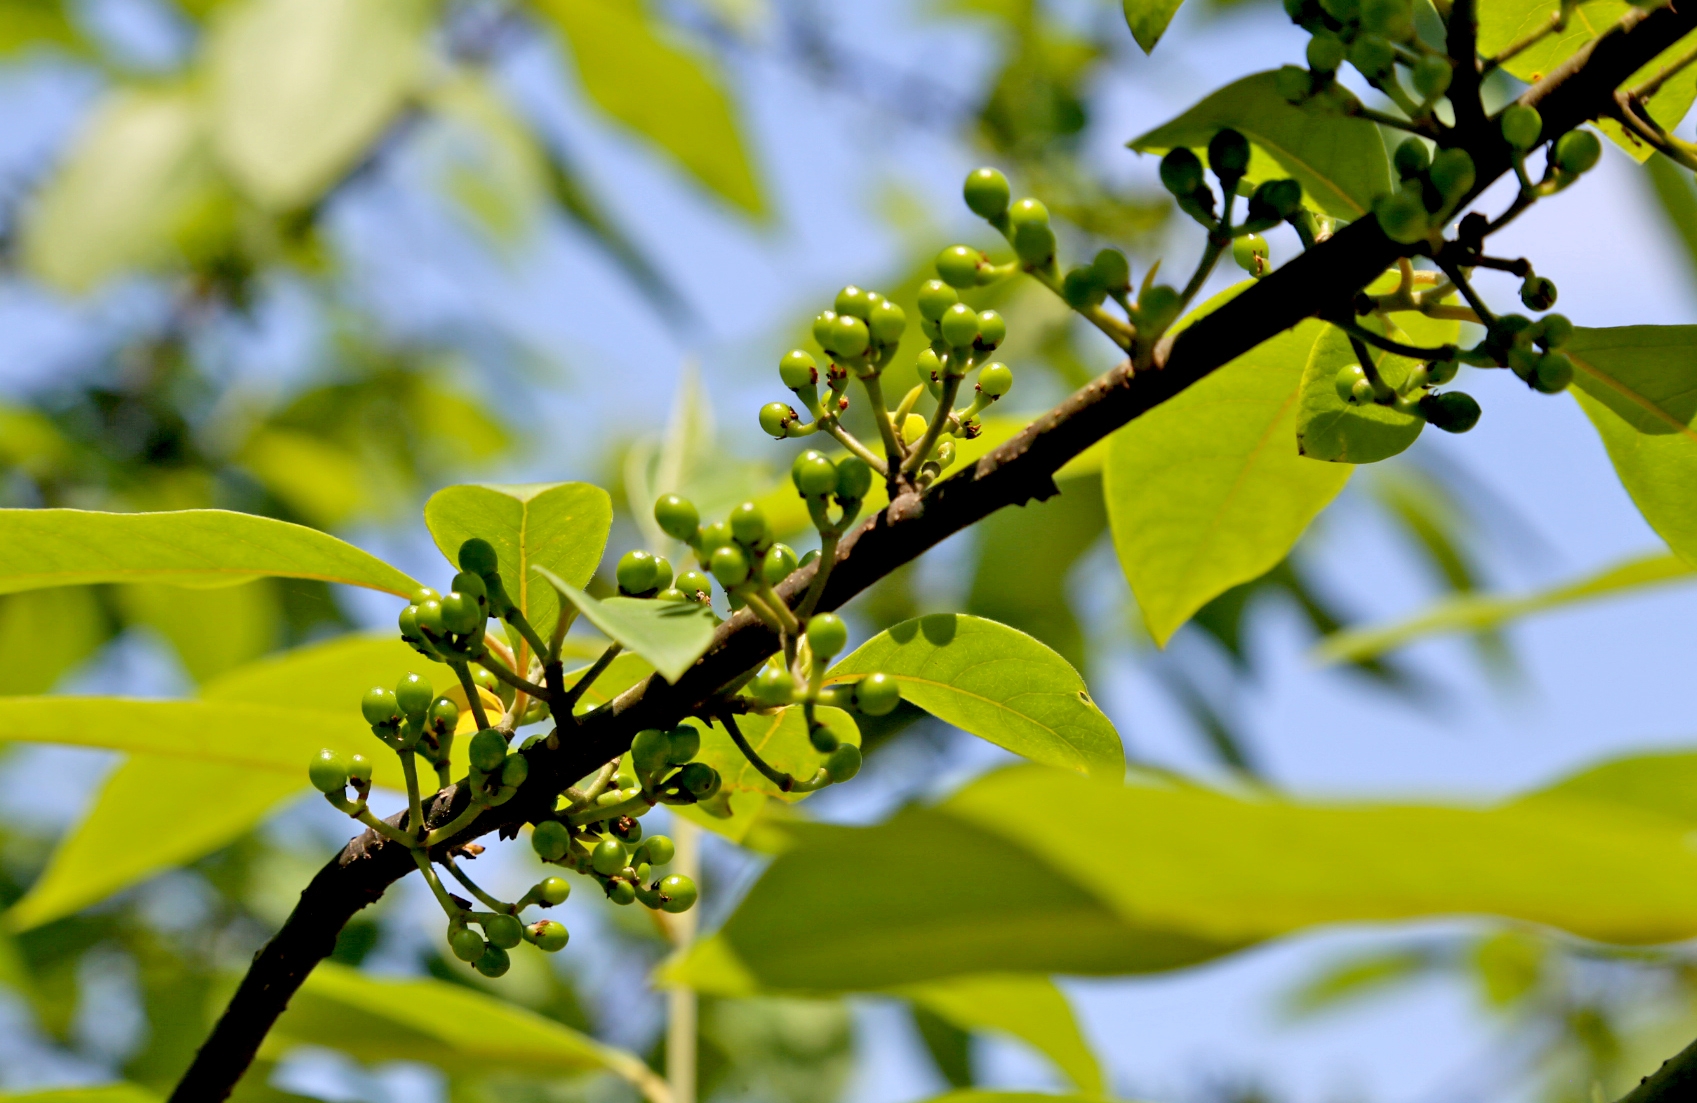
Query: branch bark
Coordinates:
[1674,1082]
[1021,470]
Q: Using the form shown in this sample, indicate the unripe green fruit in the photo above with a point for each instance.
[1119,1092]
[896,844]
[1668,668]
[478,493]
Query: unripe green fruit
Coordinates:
[503,931]
[1228,155]
[779,564]
[843,763]
[551,840]
[679,892]
[1033,240]
[677,517]
[877,694]
[553,890]
[1348,376]
[477,555]
[488,681]
[774,686]
[1250,253]
[487,751]
[359,770]
[608,857]
[1293,83]
[959,326]
[684,743]
[1344,11]
[695,585]
[1538,293]
[995,379]
[729,565]
[1081,289]
[748,525]
[776,418]
[626,829]
[621,893]
[662,572]
[466,944]
[462,614]
[700,779]
[827,635]
[328,771]
[672,594]
[637,572]
[1452,173]
[413,695]
[471,585]
[1113,271]
[1181,172]
[823,739]
[1432,76]
[888,322]
[379,707]
[429,618]
[813,474]
[822,328]
[1158,308]
[1411,158]
[992,329]
[1275,200]
[494,962]
[1439,372]
[424,594]
[1394,19]
[1325,53]
[958,265]
[935,297]
[929,366]
[848,336]
[853,302]
[1521,126]
[1452,411]
[797,369]
[659,850]
[549,936]
[986,193]
[408,623]
[708,538]
[1555,372]
[649,751]
[1402,215]
[1554,330]
[514,770]
[854,479]
[1372,55]
[1577,151]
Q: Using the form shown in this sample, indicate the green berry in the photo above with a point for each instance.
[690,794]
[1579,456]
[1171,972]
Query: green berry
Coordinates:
[779,564]
[709,538]
[1158,308]
[1373,55]
[929,366]
[424,594]
[695,585]
[649,751]
[621,892]
[1275,200]
[1250,253]
[1452,173]
[408,622]
[854,479]
[1432,76]
[359,770]
[1081,288]
[626,828]
[1325,53]
[677,517]
[958,265]
[813,474]
[700,779]
[608,857]
[379,707]
[992,329]
[853,302]
[986,193]
[748,525]
[466,944]
[1228,155]
[429,618]
[471,585]
[503,931]
[486,679]
[935,297]
[659,850]
[413,695]
[551,840]
[773,686]
[823,739]
[827,635]
[514,770]
[1554,373]
[462,614]
[1031,235]
[1293,83]
[848,337]
[1521,126]
[995,379]
[1538,293]
[494,962]
[1554,331]
[488,750]
[888,323]
[1348,376]
[683,744]
[478,556]
[677,893]
[1577,151]
[797,369]
[1452,411]
[1113,271]
[553,890]
[1181,172]
[843,763]
[959,326]
[662,572]
[822,328]
[1394,19]
[877,694]
[636,572]
[729,565]
[328,771]
[549,936]
[1439,372]
[672,594]
[1402,215]
[776,419]
[1411,158]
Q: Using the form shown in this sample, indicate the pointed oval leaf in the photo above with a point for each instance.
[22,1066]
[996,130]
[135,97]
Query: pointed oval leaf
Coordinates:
[103,1093]
[1330,429]
[44,633]
[780,739]
[560,526]
[191,547]
[670,635]
[1148,20]
[999,684]
[1029,1008]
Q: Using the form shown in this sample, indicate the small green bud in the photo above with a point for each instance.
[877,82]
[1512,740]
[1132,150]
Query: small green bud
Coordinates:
[379,708]
[1158,308]
[1452,173]
[929,366]
[1250,253]
[359,770]
[773,686]
[822,328]
[748,525]
[1538,293]
[1293,83]
[888,323]
[986,193]
[677,517]
[708,538]
[1325,53]
[1228,156]
[413,695]
[827,635]
[514,770]
[1181,172]
[1432,76]
[853,302]
[1451,411]
[429,618]
[1577,152]
[478,556]
[1113,271]
[466,944]
[662,572]
[854,479]
[650,750]
[608,857]
[1402,215]
[1521,126]
[700,779]
[877,694]
[1081,288]
[797,369]
[424,594]
[848,337]
[695,585]
[621,892]
[1554,331]
[1411,158]
[958,265]
[1394,19]
[843,763]
[823,739]
[1554,373]
[471,585]
[992,329]
[462,614]
[813,474]
[551,840]
[684,743]
[504,931]
[328,771]
[935,297]
[678,893]
[1439,372]
[549,936]
[659,850]
[959,326]
[1373,55]
[1275,200]
[1033,239]
[552,891]
[494,962]
[1344,383]
[995,379]
[776,419]
[488,750]
[779,564]
[729,565]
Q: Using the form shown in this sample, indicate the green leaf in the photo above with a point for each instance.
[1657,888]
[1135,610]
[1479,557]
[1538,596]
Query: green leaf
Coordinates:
[1474,612]
[104,1093]
[446,1025]
[1029,1008]
[671,635]
[999,684]
[658,90]
[780,739]
[1657,785]
[130,182]
[1328,428]
[560,526]
[212,631]
[1148,20]
[26,23]
[300,89]
[1638,385]
[1338,159]
[191,547]
[331,676]
[1678,200]
[624,671]
[1207,490]
[44,633]
[152,814]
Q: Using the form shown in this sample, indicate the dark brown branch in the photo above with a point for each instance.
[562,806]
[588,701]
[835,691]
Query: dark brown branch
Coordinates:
[1019,471]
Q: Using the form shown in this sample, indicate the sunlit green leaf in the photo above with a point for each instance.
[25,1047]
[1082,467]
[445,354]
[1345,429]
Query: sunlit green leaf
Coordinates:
[1338,159]
[560,526]
[1328,428]
[1148,20]
[104,1093]
[1638,385]
[1207,490]
[212,631]
[27,23]
[672,635]
[780,739]
[998,684]
[1473,612]
[191,547]
[658,90]
[44,633]
[626,669]
[299,89]
[1658,785]
[320,480]
[1027,1007]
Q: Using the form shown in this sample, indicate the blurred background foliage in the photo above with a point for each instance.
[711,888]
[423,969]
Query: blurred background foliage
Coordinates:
[197,209]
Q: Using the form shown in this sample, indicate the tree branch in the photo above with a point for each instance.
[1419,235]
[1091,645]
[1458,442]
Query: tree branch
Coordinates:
[1019,471]
[1674,1082]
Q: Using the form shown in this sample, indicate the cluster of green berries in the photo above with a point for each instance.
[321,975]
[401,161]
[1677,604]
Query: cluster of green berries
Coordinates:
[738,552]
[1531,349]
[1432,186]
[1451,411]
[450,627]
[503,930]
[1270,203]
[1375,36]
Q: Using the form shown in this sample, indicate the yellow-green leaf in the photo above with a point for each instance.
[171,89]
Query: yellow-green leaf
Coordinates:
[44,633]
[1328,428]
[671,635]
[212,631]
[780,739]
[1027,1007]
[1148,20]
[103,1093]
[662,92]
[1651,784]
[191,547]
